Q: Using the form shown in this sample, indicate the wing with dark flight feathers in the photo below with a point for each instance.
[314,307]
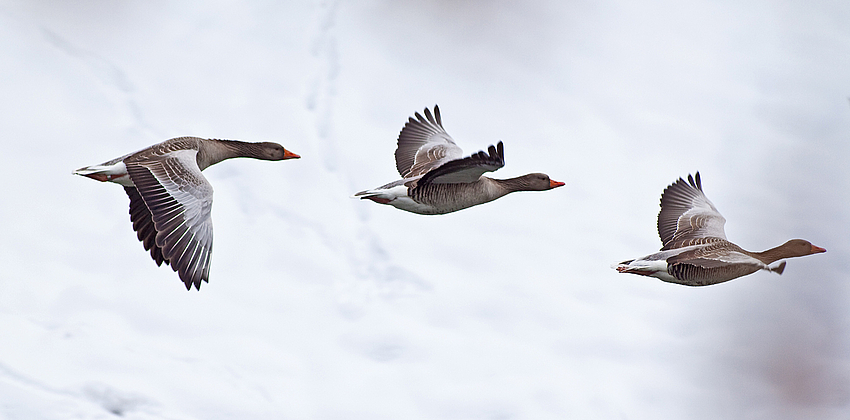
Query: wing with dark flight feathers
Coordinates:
[143,225]
[468,169]
[687,216]
[178,199]
[423,144]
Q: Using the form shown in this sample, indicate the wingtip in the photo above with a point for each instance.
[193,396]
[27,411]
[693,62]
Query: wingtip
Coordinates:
[196,282]
[430,116]
[418,117]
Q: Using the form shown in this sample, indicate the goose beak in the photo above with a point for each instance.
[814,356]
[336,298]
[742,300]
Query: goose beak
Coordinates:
[555,184]
[817,249]
[289,155]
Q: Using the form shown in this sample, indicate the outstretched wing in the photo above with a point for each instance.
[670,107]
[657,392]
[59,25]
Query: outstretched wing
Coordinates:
[179,200]
[423,144]
[468,169]
[687,217]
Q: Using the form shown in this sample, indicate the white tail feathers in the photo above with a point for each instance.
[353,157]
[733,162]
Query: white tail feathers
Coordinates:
[116,173]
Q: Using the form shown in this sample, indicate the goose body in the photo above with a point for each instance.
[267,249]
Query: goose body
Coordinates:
[437,179]
[696,251]
[171,201]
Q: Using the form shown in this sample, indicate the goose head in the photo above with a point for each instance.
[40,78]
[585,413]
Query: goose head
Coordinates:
[799,248]
[273,151]
[536,182]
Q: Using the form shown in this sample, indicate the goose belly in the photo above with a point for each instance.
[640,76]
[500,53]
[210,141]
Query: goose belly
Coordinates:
[447,198]
[692,275]
[407,203]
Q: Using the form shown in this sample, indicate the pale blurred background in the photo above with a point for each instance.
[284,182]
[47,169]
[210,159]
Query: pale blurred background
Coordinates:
[324,307]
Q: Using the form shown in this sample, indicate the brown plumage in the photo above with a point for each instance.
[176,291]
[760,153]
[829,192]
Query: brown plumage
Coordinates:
[695,250]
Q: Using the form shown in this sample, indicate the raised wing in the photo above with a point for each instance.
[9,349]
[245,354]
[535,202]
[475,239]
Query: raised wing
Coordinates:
[687,216]
[179,200]
[468,169]
[423,144]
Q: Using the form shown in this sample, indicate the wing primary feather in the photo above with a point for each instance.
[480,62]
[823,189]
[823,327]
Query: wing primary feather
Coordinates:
[429,116]
[142,221]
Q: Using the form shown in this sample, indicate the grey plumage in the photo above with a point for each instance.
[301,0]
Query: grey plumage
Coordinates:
[437,179]
[171,201]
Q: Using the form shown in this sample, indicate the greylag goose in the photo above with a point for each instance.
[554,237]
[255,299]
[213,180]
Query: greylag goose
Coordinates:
[695,251]
[170,200]
[437,179]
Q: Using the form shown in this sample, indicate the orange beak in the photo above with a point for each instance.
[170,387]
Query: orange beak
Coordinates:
[817,249]
[289,155]
[555,184]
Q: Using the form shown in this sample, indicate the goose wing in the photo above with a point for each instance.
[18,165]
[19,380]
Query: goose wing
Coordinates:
[179,200]
[468,169]
[687,216]
[423,144]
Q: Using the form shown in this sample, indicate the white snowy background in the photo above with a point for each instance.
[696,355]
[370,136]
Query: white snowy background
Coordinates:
[324,307]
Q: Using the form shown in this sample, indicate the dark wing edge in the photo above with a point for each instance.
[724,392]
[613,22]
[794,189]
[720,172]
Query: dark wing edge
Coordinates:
[472,166]
[188,256]
[676,199]
[143,225]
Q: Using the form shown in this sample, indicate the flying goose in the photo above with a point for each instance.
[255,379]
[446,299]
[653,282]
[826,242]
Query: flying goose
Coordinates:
[437,179]
[695,251]
[170,200]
